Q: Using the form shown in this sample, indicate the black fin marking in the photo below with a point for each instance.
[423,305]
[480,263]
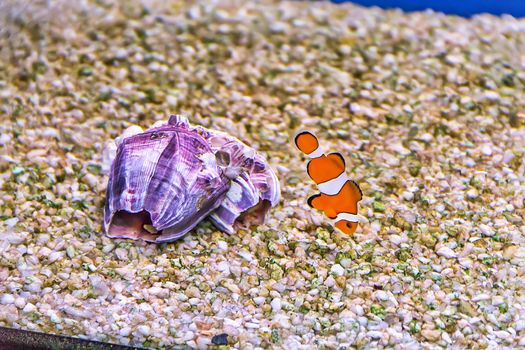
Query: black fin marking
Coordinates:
[356,186]
[308,169]
[311,199]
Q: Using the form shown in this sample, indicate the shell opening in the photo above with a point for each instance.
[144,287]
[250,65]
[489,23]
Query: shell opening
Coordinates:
[132,225]
[253,216]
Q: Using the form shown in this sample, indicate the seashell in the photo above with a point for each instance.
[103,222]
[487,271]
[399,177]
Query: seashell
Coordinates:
[165,180]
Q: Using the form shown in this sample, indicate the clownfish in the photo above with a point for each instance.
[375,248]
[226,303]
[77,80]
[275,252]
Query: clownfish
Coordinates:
[339,195]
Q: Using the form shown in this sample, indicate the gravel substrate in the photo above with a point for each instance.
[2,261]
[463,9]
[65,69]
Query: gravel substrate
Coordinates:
[425,107]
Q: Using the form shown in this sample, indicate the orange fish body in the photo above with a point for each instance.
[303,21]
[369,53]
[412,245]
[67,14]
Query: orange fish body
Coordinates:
[338,195]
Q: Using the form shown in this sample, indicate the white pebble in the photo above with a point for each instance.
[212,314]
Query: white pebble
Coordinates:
[497,300]
[54,317]
[329,282]
[188,336]
[486,149]
[355,108]
[108,155]
[381,295]
[13,237]
[486,230]
[426,137]
[481,297]
[472,193]
[224,267]
[491,95]
[203,342]
[55,256]
[29,308]
[389,60]
[408,196]
[374,334]
[76,113]
[246,255]
[5,139]
[124,332]
[7,299]
[45,251]
[144,330]
[20,302]
[337,270]
[346,263]
[357,309]
[130,131]
[396,239]
[446,252]
[121,253]
[469,162]
[502,334]
[91,180]
[155,291]
[507,156]
[259,300]
[11,222]
[276,304]
[466,263]
[345,50]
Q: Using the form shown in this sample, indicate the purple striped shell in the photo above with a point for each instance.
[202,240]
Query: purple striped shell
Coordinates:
[164,181]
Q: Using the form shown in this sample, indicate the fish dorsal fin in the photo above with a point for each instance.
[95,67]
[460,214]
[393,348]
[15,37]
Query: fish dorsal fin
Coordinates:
[338,159]
[179,120]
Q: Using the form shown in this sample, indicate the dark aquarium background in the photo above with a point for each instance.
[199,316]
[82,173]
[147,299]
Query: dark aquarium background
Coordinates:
[464,8]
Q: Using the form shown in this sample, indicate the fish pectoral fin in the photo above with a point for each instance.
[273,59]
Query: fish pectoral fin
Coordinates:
[330,213]
[338,159]
[319,202]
